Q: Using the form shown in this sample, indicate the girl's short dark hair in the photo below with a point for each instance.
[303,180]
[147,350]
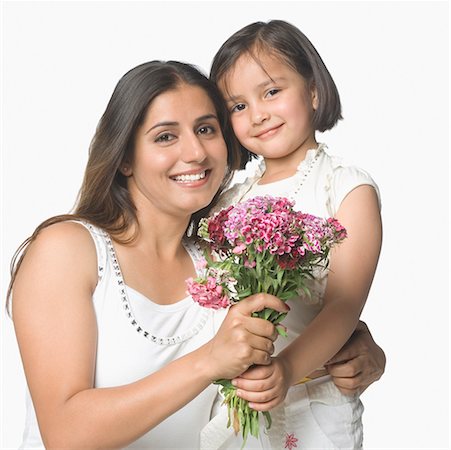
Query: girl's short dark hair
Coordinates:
[287,42]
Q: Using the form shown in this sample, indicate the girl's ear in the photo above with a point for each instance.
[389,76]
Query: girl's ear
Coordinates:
[315,101]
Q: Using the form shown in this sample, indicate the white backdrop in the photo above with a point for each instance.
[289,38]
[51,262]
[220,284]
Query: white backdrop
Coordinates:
[61,61]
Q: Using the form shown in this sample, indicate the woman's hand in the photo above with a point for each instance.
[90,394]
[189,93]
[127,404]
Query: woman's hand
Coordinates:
[243,340]
[264,387]
[358,364]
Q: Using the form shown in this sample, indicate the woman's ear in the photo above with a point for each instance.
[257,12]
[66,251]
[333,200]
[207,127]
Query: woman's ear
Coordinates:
[125,169]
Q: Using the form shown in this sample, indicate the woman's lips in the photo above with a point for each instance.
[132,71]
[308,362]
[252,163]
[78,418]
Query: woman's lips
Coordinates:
[197,178]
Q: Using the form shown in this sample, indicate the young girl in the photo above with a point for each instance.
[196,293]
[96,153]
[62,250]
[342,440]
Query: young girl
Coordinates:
[279,93]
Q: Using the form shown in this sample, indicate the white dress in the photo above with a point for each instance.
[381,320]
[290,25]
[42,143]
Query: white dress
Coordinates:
[314,414]
[137,337]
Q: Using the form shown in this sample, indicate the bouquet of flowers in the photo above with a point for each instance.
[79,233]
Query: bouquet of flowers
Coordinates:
[260,245]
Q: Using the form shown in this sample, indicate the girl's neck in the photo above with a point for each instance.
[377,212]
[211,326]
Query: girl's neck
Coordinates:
[277,169]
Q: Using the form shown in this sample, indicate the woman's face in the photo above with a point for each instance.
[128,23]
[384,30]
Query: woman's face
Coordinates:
[180,156]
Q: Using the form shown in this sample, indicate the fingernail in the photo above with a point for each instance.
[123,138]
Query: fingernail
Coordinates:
[234,383]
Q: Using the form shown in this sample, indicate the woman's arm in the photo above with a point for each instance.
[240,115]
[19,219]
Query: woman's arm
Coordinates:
[352,267]
[359,363]
[57,335]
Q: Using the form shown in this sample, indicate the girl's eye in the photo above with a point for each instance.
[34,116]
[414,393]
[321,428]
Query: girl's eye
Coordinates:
[165,137]
[272,92]
[206,129]
[238,108]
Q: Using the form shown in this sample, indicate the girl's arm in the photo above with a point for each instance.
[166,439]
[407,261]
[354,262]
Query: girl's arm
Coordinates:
[352,267]
[56,330]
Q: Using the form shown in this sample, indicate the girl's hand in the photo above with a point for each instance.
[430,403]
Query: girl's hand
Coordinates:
[264,387]
[243,340]
[358,364]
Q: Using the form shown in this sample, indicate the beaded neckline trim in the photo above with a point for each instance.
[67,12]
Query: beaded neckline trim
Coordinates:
[302,173]
[159,340]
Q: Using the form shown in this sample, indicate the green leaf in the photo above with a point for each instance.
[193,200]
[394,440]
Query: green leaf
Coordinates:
[267,416]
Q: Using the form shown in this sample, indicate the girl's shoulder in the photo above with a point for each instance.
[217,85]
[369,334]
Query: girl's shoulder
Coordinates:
[341,176]
[243,182]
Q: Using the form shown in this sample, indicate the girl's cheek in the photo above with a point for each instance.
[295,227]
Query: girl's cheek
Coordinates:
[239,128]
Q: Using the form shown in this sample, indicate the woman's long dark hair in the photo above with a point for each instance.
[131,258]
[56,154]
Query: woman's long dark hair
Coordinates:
[103,199]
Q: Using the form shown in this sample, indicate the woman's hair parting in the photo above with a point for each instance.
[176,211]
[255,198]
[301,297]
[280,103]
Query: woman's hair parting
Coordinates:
[288,43]
[103,199]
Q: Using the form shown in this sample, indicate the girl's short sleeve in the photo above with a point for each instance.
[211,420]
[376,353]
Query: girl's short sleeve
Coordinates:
[344,180]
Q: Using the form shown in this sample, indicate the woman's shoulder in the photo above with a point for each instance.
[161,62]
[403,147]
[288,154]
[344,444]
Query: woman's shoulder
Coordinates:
[62,246]
[68,234]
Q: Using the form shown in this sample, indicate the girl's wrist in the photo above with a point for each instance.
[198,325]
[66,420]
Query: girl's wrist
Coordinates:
[288,369]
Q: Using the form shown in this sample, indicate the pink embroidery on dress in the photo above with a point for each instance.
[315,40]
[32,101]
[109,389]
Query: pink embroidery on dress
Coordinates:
[290,441]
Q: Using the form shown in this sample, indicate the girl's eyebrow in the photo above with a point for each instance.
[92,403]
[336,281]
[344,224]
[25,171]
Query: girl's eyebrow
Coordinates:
[263,84]
[270,81]
[173,124]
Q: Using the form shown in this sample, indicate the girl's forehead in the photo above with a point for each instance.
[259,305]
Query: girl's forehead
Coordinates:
[265,64]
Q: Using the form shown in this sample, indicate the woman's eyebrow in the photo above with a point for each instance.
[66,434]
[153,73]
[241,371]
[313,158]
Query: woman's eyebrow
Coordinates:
[161,124]
[206,117]
[169,123]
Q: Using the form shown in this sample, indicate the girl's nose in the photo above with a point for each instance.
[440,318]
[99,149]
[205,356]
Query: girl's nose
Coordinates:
[259,115]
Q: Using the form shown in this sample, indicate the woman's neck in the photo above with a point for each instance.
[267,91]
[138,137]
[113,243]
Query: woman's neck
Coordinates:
[160,236]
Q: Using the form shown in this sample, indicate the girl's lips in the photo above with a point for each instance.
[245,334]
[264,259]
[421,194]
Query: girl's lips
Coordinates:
[268,132]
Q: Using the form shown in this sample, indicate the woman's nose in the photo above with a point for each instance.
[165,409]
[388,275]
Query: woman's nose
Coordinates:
[193,149]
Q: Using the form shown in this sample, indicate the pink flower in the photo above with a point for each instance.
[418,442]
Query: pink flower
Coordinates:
[201,264]
[208,294]
[249,264]
[290,441]
[261,245]
[239,249]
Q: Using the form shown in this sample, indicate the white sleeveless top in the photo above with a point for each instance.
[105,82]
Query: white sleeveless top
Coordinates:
[137,337]
[318,187]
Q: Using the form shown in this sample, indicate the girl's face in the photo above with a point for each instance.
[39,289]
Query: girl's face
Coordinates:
[271,107]
[180,156]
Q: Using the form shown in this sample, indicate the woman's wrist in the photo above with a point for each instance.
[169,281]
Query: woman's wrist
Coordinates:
[203,364]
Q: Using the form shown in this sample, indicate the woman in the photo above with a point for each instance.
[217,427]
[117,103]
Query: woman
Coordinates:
[114,353]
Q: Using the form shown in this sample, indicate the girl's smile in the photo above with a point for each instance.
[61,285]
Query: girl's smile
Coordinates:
[269,132]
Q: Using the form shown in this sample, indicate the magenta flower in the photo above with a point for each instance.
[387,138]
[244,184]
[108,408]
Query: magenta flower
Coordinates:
[261,245]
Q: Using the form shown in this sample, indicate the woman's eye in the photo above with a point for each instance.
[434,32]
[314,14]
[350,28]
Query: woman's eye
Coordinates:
[206,129]
[272,92]
[165,137]
[238,108]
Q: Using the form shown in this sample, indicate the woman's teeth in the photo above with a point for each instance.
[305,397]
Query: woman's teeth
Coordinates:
[190,178]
